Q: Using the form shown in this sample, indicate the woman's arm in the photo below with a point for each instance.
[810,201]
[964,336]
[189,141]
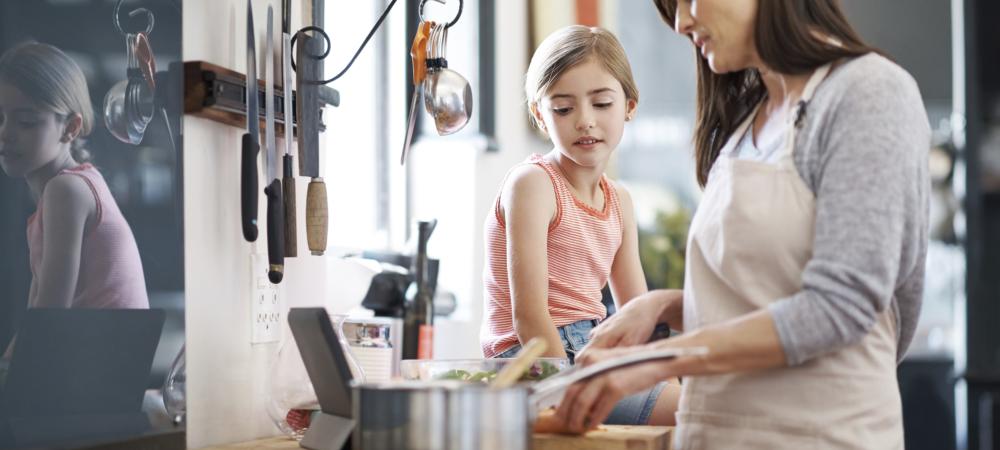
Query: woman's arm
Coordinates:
[867,153]
[627,279]
[749,342]
[529,206]
[67,203]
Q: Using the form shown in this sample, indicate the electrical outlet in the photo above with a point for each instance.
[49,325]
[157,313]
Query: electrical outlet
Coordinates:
[267,308]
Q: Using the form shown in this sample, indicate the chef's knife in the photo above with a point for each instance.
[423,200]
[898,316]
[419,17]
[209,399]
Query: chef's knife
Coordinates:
[275,207]
[288,181]
[307,109]
[251,141]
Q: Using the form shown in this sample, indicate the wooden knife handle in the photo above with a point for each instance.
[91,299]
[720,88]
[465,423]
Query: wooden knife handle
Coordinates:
[316,216]
[288,189]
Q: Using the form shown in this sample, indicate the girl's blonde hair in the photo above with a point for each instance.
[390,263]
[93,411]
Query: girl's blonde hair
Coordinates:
[50,77]
[568,47]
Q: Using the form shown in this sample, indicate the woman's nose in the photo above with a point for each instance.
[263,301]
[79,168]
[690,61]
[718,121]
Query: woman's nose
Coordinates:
[683,21]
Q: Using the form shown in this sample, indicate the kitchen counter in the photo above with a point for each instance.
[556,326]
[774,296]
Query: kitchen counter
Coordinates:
[609,437]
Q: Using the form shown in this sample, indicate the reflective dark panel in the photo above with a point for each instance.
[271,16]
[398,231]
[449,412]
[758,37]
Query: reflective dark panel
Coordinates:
[91,233]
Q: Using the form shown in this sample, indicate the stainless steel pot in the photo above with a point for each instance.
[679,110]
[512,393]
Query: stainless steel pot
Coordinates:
[441,415]
[457,415]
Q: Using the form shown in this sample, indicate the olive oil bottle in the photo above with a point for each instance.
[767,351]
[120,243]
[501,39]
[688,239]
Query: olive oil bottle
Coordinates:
[418,318]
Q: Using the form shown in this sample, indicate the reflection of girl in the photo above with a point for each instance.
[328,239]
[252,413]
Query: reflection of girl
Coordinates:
[82,252]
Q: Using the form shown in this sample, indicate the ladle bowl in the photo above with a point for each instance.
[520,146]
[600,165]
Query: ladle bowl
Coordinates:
[449,100]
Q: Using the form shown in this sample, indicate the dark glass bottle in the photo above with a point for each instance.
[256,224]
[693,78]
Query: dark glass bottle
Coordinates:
[418,319]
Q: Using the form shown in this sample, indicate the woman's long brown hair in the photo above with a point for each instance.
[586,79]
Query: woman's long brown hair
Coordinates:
[786,44]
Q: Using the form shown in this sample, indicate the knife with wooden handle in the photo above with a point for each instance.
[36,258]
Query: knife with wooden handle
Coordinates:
[251,141]
[307,109]
[275,200]
[288,178]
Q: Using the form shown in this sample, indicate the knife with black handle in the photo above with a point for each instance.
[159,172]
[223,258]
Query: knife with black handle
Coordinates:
[275,201]
[251,141]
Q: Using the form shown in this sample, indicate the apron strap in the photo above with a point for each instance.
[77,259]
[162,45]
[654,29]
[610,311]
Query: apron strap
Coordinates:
[800,109]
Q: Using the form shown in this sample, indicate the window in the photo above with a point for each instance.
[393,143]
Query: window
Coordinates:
[353,157]
[370,203]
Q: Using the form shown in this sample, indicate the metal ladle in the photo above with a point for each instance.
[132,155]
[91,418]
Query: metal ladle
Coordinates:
[448,96]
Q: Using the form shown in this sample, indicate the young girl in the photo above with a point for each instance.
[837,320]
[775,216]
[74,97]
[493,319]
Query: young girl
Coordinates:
[81,251]
[560,229]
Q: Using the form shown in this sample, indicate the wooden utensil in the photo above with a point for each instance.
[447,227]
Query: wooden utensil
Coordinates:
[513,371]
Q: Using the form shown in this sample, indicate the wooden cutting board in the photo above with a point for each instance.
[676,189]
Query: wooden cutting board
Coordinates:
[608,437]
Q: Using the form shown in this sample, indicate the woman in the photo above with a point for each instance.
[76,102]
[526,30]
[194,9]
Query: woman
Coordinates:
[805,259]
[82,252]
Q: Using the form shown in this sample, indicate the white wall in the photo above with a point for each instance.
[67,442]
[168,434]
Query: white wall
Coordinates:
[227,376]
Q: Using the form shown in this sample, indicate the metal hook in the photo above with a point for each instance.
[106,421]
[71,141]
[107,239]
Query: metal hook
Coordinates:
[133,13]
[420,11]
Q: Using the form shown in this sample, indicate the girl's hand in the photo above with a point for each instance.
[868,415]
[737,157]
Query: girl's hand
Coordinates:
[634,323]
[588,403]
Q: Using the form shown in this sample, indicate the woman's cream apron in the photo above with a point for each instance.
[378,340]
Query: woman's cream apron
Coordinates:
[748,245]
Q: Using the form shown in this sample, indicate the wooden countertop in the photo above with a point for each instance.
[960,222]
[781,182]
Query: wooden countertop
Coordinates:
[609,437]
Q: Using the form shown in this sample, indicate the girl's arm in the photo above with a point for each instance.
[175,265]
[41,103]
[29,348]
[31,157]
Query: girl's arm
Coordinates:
[627,279]
[528,205]
[67,203]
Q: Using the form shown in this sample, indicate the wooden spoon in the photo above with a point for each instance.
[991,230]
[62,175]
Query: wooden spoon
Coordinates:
[513,370]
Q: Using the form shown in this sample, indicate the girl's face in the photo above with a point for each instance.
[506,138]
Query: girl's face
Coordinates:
[722,30]
[584,113]
[30,136]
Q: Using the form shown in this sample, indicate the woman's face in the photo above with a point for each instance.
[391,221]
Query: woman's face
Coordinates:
[30,136]
[584,113]
[722,30]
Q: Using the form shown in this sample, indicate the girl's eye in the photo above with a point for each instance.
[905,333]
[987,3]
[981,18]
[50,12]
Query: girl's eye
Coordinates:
[562,111]
[603,105]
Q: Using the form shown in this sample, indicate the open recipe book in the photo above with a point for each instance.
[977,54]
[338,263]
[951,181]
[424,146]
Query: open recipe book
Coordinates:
[549,392]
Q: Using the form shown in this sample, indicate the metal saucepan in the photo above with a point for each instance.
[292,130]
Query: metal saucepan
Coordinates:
[460,415]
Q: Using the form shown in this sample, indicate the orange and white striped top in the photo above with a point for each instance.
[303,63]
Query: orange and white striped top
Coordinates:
[581,247]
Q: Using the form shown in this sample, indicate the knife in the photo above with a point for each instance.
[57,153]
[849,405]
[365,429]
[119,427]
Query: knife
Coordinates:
[275,206]
[418,56]
[307,109]
[251,141]
[288,181]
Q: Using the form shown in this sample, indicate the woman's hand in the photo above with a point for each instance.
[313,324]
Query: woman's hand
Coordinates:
[634,323]
[588,403]
[745,343]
